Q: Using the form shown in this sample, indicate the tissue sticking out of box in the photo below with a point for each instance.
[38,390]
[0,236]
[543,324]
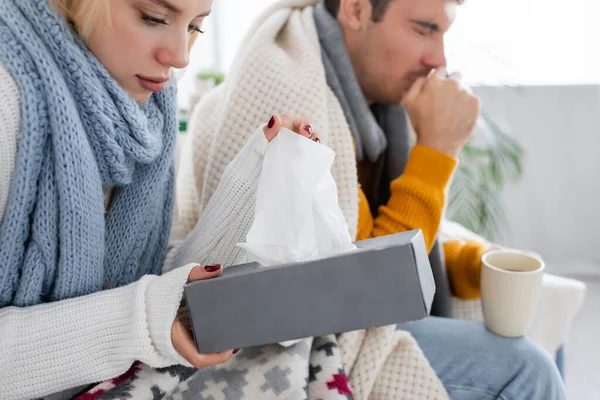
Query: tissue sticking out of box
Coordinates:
[297,216]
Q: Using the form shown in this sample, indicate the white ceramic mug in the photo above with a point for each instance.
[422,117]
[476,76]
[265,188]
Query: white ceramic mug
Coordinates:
[511,284]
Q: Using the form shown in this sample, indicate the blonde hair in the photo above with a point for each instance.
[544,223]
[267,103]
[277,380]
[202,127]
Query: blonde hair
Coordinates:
[89,15]
[85,15]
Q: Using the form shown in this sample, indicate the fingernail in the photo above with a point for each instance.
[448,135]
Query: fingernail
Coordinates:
[212,268]
[236,351]
[271,122]
[308,129]
[317,140]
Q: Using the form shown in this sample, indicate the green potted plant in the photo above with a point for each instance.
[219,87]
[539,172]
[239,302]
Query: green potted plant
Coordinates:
[216,77]
[492,159]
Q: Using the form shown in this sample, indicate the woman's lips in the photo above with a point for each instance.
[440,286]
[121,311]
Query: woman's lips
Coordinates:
[152,84]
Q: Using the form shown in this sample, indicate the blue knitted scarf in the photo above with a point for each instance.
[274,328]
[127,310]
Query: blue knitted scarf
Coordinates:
[79,132]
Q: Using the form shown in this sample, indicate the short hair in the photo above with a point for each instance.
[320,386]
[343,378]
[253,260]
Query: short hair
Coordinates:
[379,8]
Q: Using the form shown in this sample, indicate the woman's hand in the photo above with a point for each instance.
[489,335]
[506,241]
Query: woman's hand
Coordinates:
[299,125]
[181,337]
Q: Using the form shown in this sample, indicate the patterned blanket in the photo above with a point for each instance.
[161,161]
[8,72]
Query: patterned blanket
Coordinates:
[254,373]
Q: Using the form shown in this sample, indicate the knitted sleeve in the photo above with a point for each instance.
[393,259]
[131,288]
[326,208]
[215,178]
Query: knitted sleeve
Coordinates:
[463,263]
[228,215]
[53,347]
[417,198]
[417,201]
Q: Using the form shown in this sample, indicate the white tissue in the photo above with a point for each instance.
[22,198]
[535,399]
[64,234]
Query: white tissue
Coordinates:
[297,216]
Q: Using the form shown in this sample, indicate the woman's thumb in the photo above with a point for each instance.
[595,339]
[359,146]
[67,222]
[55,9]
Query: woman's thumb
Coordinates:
[207,272]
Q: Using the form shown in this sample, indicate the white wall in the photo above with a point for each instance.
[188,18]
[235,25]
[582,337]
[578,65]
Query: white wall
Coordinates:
[555,208]
[526,42]
[492,42]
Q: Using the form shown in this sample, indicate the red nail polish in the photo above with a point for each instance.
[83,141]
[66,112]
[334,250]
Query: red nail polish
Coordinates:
[271,122]
[212,268]
[236,351]
[317,140]
[308,129]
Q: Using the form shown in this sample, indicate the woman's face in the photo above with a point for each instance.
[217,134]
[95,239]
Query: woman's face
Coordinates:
[144,39]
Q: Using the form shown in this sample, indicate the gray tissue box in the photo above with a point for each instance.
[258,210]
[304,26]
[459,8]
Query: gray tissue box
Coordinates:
[387,281]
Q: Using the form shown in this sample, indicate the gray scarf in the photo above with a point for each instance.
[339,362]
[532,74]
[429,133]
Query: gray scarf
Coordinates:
[379,130]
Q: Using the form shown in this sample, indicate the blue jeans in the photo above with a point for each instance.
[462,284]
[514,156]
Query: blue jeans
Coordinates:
[475,364]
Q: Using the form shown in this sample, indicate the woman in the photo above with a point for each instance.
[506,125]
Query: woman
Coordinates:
[87,130]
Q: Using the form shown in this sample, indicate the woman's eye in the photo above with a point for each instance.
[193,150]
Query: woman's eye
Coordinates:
[152,21]
[193,29]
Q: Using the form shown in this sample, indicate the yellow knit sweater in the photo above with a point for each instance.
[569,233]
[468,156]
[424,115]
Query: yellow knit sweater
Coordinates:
[417,201]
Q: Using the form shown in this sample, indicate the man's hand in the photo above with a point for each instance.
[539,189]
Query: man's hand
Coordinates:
[442,113]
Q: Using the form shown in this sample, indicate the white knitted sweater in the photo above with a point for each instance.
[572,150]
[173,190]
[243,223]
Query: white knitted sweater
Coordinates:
[53,347]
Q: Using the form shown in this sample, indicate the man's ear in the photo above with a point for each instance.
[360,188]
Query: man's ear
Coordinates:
[355,14]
